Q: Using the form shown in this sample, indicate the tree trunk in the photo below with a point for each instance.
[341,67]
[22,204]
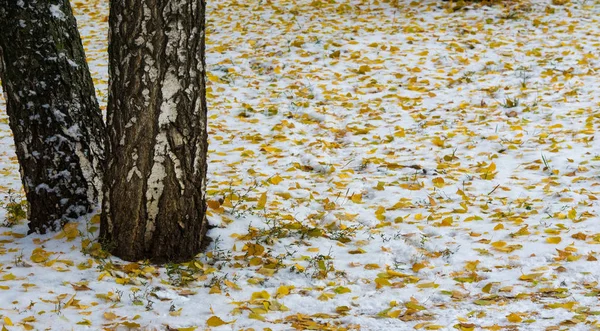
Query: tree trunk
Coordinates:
[154,197]
[53,111]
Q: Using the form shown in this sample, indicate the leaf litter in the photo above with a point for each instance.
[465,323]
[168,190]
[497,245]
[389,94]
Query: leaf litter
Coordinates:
[373,165]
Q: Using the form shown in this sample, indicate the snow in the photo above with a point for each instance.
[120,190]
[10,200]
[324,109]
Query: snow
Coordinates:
[57,12]
[334,148]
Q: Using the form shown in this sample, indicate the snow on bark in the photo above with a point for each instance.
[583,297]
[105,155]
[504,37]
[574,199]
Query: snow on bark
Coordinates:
[57,13]
[50,93]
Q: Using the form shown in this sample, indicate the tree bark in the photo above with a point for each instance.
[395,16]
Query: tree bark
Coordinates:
[154,193]
[52,109]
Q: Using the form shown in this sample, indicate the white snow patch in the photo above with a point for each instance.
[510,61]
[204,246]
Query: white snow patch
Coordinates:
[57,13]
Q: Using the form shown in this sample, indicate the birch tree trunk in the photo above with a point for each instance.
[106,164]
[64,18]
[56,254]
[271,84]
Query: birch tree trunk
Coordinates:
[154,203]
[52,109]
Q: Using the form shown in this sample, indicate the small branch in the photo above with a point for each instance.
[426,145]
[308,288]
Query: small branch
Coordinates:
[492,191]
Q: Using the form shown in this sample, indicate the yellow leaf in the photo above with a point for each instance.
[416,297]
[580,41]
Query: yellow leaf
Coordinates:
[283,291]
[363,69]
[414,306]
[531,276]
[7,321]
[232,285]
[215,321]
[372,266]
[487,288]
[553,240]
[262,295]
[266,271]
[95,219]
[175,313]
[356,198]
[514,318]
[254,249]
[342,309]
[213,204]
[471,265]
[438,141]
[418,266]
[438,182]
[9,277]
[110,315]
[428,285]
[215,289]
[275,179]
[39,255]
[256,316]
[130,325]
[499,244]
[572,214]
[262,201]
[394,313]
[382,282]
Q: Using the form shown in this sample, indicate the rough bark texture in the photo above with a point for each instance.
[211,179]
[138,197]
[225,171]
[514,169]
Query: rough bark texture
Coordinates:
[154,203]
[52,108]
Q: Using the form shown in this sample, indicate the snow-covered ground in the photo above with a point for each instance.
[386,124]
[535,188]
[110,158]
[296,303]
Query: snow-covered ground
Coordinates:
[374,165]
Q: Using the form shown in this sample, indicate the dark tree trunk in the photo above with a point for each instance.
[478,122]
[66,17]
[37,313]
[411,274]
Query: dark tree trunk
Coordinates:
[53,111]
[154,204]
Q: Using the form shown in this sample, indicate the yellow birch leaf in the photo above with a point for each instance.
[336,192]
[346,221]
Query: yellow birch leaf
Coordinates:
[514,318]
[428,285]
[487,288]
[215,321]
[232,285]
[414,306]
[262,201]
[283,291]
[418,266]
[175,313]
[130,325]
[7,321]
[498,244]
[275,179]
[394,313]
[438,182]
[215,289]
[382,282]
[553,240]
[39,255]
[110,315]
[213,204]
[356,198]
[531,276]
[472,265]
[9,277]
